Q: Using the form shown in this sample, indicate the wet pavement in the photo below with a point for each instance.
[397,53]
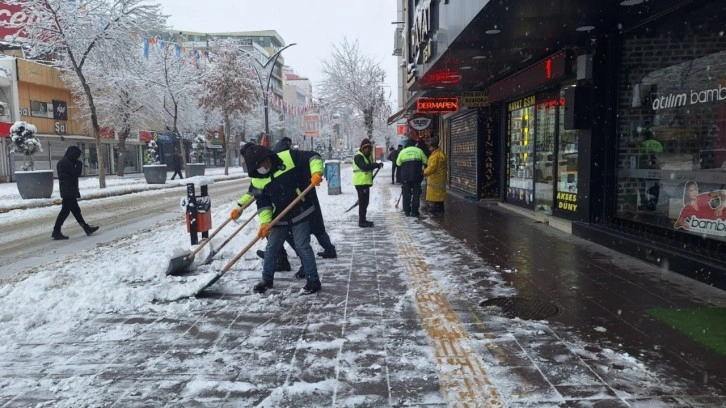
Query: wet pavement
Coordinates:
[398,323]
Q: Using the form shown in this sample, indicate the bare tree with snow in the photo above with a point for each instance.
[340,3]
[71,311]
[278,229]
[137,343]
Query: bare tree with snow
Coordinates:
[231,89]
[354,80]
[123,99]
[177,80]
[73,33]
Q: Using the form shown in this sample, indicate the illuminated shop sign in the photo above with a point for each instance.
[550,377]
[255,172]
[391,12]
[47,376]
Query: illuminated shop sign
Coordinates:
[437,105]
[567,201]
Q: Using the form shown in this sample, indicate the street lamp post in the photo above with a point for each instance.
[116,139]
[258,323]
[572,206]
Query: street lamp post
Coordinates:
[264,74]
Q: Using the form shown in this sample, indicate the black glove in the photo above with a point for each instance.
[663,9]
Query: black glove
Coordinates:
[380,165]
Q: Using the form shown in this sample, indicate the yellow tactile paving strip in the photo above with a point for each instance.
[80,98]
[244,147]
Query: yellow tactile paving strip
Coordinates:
[463,378]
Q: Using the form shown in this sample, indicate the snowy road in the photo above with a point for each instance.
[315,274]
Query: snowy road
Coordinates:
[26,239]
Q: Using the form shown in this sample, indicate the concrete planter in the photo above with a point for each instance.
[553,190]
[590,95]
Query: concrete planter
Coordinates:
[34,184]
[155,173]
[195,169]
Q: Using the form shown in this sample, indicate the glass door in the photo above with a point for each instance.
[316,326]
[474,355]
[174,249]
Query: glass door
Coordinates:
[545,159]
[521,148]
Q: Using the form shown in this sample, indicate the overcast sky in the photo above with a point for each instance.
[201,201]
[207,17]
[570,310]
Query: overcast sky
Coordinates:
[314,25]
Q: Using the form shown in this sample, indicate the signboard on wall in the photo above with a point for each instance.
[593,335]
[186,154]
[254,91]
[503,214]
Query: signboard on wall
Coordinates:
[10,15]
[490,156]
[437,105]
[60,110]
[40,109]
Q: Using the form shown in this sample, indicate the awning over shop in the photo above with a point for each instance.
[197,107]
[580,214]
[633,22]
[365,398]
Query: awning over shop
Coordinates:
[408,110]
[396,116]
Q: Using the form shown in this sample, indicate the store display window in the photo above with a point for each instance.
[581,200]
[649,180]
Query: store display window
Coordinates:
[520,171]
[672,125]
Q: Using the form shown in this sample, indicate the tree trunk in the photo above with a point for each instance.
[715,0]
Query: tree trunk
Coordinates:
[121,165]
[182,151]
[95,129]
[368,122]
[227,155]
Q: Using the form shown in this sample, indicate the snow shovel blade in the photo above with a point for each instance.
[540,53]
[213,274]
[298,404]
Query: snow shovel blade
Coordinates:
[179,264]
[352,206]
[210,283]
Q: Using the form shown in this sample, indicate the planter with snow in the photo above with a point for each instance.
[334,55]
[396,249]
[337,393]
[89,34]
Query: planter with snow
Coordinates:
[34,184]
[155,173]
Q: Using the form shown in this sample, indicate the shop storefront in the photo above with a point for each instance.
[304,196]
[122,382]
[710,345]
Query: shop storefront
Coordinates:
[671,129]
[542,155]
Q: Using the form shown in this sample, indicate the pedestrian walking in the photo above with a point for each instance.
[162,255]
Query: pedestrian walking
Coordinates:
[392,156]
[435,173]
[363,166]
[280,177]
[411,161]
[176,162]
[69,169]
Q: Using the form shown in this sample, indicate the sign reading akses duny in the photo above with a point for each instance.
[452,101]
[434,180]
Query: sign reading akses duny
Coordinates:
[437,105]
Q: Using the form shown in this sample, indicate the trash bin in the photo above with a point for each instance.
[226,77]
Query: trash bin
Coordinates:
[332,175]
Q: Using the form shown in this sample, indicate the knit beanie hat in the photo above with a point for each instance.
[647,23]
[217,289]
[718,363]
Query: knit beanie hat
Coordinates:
[254,155]
[364,143]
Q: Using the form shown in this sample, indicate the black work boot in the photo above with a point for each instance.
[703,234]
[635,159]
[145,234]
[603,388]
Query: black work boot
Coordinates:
[282,263]
[328,254]
[365,224]
[90,229]
[300,274]
[262,286]
[261,254]
[58,236]
[311,287]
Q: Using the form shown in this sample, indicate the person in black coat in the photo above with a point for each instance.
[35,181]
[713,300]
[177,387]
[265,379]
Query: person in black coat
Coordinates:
[176,162]
[69,169]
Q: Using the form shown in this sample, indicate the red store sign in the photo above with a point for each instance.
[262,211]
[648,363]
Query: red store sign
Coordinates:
[5,129]
[10,15]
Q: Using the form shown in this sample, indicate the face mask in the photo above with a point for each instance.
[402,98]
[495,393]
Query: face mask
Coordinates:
[263,170]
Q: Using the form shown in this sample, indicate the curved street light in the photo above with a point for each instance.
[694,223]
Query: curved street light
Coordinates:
[264,73]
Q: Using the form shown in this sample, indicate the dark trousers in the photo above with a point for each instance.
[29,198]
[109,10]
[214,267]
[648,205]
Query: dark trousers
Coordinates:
[411,191]
[70,205]
[364,195]
[393,174]
[175,173]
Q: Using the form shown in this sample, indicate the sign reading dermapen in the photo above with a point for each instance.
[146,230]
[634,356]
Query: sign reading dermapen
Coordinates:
[437,105]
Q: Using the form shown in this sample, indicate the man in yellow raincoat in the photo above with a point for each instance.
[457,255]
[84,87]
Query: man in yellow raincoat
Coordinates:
[435,173]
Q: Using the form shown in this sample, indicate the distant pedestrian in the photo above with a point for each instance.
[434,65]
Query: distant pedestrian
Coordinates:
[69,169]
[435,173]
[363,166]
[176,162]
[411,161]
[392,156]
